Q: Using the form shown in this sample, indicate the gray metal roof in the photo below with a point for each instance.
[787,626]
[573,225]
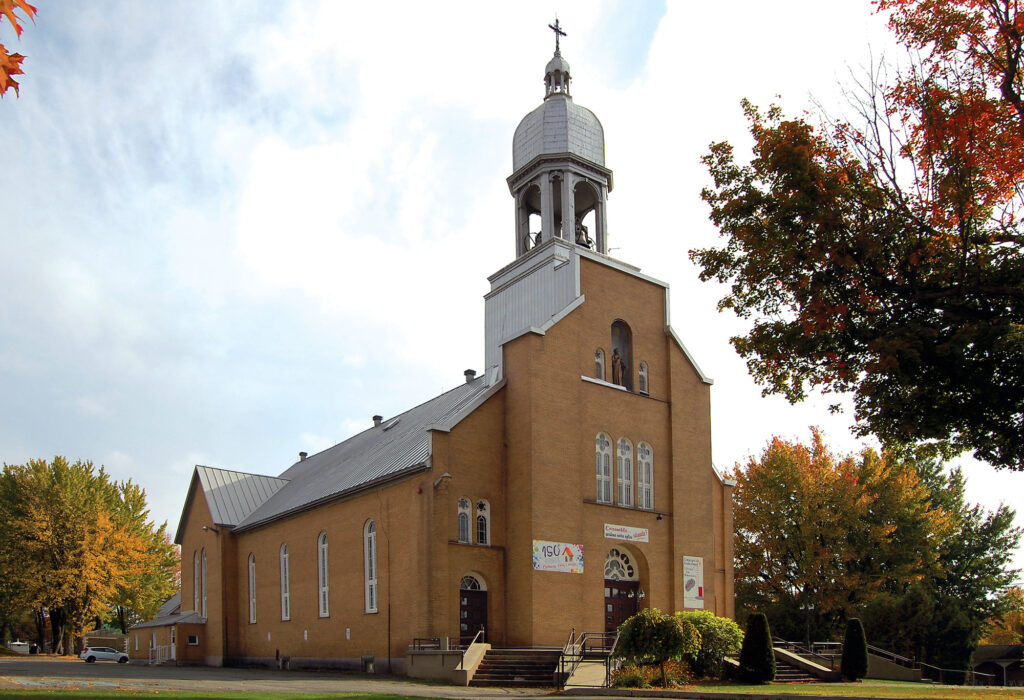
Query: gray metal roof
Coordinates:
[181,618]
[558,126]
[172,606]
[232,495]
[398,444]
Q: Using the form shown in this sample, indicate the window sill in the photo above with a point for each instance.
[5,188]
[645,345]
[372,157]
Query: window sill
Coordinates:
[594,380]
[633,509]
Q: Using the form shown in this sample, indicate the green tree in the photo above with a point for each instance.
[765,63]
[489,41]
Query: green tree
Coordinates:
[854,663]
[817,535]
[71,538]
[757,656]
[881,255]
[719,637]
[651,636]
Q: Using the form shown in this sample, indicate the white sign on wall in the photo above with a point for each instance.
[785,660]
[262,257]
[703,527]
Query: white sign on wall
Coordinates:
[693,582]
[630,534]
[557,556]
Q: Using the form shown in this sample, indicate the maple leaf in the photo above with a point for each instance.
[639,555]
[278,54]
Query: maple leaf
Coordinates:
[10,63]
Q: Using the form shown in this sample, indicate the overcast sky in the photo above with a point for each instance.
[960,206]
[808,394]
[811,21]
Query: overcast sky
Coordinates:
[231,231]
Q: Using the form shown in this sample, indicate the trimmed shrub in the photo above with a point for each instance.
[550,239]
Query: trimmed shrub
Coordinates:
[757,658]
[649,675]
[855,651]
[719,637]
[653,637]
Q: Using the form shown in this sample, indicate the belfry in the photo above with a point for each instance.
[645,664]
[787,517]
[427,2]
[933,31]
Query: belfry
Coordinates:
[559,176]
[565,487]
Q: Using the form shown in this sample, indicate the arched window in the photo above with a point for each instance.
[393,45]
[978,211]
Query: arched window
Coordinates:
[464,509]
[625,468]
[483,523]
[204,580]
[370,565]
[604,468]
[599,364]
[252,587]
[622,355]
[195,581]
[645,476]
[321,569]
[286,608]
[642,379]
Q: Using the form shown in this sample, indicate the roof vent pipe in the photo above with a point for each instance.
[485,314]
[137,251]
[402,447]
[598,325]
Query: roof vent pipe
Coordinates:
[377,420]
[303,455]
[470,375]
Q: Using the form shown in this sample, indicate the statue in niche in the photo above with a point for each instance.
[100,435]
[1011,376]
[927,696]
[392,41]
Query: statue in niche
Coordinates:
[582,237]
[618,368]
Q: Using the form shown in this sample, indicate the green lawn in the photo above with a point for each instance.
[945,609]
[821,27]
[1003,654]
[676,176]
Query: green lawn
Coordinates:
[874,689]
[105,694]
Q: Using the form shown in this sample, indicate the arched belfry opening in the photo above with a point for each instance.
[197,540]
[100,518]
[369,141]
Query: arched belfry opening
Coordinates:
[560,181]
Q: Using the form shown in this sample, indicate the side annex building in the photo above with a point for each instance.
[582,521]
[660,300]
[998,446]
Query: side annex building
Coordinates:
[567,486]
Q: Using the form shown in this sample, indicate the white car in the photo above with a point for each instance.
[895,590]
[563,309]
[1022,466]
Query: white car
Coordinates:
[94,654]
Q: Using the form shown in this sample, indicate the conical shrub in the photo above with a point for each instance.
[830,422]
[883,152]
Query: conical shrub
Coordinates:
[757,658]
[855,651]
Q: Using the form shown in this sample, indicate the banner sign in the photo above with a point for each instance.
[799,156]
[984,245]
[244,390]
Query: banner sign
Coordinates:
[630,534]
[557,556]
[693,582]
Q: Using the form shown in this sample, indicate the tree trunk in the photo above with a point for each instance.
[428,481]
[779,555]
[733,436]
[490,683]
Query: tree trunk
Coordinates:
[40,629]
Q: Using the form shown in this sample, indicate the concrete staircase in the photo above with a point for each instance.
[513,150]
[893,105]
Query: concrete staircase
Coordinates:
[786,673]
[533,668]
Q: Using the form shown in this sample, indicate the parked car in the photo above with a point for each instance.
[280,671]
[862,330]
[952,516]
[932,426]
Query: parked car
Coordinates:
[93,654]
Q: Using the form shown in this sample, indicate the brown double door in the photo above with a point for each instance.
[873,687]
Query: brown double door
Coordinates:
[620,602]
[472,614]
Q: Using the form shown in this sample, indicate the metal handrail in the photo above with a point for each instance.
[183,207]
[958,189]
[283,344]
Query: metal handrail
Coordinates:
[892,656]
[462,659]
[426,643]
[575,651]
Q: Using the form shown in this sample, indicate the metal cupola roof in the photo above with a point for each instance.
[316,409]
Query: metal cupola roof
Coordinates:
[558,125]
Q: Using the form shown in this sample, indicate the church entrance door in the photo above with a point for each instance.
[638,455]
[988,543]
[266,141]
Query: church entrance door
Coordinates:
[621,588]
[620,602]
[472,609]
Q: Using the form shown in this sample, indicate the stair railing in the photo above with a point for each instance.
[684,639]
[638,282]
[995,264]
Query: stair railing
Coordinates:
[578,647]
[462,659]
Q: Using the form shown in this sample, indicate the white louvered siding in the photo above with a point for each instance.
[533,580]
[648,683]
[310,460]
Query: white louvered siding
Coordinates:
[528,301]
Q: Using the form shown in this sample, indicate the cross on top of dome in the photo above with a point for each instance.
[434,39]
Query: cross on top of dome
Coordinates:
[556,74]
[557,29]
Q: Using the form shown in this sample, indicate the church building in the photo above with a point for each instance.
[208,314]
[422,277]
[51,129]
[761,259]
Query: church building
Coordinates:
[566,485]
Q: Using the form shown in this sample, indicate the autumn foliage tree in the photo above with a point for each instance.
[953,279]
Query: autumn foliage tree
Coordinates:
[1007,627]
[10,63]
[880,255]
[817,534]
[890,538]
[76,543]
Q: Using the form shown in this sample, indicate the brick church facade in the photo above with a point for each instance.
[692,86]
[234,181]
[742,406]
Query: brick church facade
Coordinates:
[566,486]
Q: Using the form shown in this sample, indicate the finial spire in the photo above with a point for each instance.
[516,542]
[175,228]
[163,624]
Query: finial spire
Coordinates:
[557,29]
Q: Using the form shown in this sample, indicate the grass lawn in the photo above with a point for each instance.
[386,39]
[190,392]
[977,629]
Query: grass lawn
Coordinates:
[867,688]
[106,694]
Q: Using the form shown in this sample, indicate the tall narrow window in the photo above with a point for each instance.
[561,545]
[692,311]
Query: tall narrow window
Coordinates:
[286,608]
[599,364]
[464,508]
[625,465]
[195,581]
[252,587]
[604,468]
[483,523]
[370,565]
[645,476]
[321,568]
[642,379]
[204,580]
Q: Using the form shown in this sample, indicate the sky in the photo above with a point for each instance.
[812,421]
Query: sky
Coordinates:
[234,231]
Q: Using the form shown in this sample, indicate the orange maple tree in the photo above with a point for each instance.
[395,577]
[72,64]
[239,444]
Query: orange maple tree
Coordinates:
[10,63]
[881,254]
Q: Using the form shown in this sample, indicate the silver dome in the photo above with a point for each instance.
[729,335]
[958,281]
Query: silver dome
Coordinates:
[558,126]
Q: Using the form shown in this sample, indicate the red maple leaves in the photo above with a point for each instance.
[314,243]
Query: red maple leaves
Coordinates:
[10,63]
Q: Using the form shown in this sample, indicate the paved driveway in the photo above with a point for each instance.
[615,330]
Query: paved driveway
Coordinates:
[43,672]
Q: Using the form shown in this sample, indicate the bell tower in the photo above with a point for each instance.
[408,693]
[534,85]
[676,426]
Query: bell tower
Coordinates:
[559,176]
